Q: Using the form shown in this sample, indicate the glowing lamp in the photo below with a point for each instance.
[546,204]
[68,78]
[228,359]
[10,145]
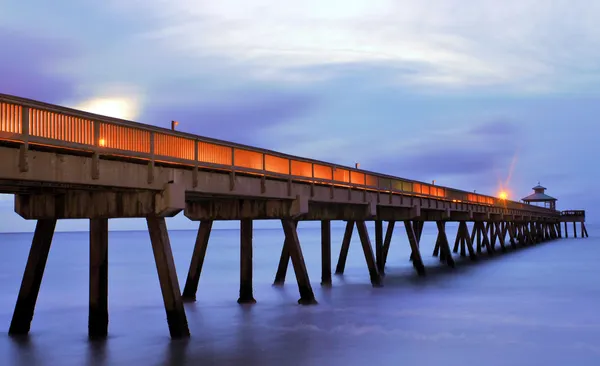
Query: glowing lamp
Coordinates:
[102,142]
[502,195]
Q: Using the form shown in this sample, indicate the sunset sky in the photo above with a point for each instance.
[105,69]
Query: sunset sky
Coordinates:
[472,95]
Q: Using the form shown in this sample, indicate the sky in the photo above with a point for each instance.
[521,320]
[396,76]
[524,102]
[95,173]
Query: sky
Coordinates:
[472,94]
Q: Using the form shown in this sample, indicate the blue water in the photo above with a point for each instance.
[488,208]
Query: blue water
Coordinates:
[535,306]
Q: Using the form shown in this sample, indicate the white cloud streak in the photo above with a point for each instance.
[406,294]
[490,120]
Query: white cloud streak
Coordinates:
[530,45]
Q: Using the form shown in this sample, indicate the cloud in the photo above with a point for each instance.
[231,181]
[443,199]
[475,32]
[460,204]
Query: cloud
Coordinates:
[242,117]
[442,42]
[28,66]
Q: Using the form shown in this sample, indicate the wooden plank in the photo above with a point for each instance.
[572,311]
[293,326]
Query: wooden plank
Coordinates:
[197,261]
[341,264]
[307,296]
[167,275]
[32,278]
[98,307]
[368,251]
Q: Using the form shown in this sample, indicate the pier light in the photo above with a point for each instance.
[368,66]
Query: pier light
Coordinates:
[502,195]
[174,124]
[102,142]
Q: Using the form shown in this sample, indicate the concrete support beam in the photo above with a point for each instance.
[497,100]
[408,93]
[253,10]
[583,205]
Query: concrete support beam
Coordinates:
[193,277]
[98,307]
[246,295]
[341,264]
[325,253]
[167,275]
[307,296]
[32,278]
[98,204]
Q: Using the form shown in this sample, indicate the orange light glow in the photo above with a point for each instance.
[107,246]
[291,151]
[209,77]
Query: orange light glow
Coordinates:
[502,195]
[101,142]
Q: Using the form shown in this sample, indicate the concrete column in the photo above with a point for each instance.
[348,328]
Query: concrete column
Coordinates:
[98,307]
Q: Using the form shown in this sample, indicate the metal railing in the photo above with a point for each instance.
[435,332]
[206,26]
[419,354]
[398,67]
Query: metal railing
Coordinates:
[32,122]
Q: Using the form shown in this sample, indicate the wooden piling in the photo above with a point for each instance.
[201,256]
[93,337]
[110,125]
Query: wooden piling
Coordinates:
[98,306]
[325,253]
[368,251]
[246,292]
[341,264]
[193,277]
[500,234]
[574,229]
[167,276]
[307,296]
[584,230]
[284,261]
[414,245]
[32,278]
[566,230]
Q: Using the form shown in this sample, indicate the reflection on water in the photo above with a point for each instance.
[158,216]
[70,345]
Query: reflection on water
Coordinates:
[536,306]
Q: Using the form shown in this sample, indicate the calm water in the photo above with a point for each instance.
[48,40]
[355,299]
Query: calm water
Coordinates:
[535,306]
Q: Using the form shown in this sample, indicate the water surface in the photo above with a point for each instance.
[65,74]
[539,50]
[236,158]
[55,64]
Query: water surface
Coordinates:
[535,306]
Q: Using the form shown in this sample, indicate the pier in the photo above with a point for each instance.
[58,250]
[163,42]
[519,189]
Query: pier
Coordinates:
[62,163]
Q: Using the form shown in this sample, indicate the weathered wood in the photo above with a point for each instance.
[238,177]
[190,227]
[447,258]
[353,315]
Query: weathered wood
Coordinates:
[445,252]
[284,261]
[246,292]
[326,253]
[193,277]
[558,229]
[98,307]
[307,296]
[368,251]
[341,264]
[574,229]
[566,230]
[388,240]
[167,276]
[416,255]
[379,245]
[585,230]
[32,278]
[492,235]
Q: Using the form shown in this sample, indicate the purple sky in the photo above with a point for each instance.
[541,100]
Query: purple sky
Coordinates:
[424,91]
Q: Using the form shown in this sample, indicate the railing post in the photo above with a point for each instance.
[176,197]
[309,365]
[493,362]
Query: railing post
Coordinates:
[312,183]
[263,180]
[232,173]
[195,172]
[289,177]
[331,189]
[96,156]
[151,162]
[23,156]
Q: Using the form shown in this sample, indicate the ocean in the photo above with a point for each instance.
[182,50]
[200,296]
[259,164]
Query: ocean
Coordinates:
[533,306]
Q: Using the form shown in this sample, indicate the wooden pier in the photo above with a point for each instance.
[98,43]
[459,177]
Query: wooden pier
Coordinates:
[66,164]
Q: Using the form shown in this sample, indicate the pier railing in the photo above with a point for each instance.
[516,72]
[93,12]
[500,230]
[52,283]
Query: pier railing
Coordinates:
[577,213]
[31,122]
